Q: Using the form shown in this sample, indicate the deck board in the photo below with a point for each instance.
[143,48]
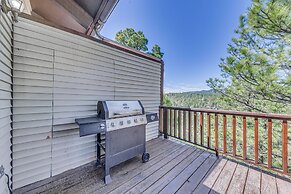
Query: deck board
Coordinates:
[165,180]
[282,186]
[253,183]
[145,183]
[195,179]
[222,182]
[238,181]
[173,168]
[208,181]
[268,184]
[174,185]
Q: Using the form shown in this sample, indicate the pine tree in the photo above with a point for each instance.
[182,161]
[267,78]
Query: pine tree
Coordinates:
[256,76]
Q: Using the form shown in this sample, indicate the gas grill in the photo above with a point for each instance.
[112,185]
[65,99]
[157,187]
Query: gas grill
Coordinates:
[124,125]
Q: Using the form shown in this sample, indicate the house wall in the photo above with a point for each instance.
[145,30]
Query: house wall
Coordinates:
[5,98]
[59,76]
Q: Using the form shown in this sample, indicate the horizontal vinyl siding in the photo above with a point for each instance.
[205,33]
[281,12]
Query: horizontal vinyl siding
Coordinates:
[79,82]
[32,113]
[5,98]
[147,88]
[60,77]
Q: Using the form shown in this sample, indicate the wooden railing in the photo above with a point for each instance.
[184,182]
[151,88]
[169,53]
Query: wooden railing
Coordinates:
[211,129]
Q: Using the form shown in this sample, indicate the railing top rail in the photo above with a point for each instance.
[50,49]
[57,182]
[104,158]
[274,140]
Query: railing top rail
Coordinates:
[234,113]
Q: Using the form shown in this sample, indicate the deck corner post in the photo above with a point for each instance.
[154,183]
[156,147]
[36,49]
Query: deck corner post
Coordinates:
[165,136]
[165,123]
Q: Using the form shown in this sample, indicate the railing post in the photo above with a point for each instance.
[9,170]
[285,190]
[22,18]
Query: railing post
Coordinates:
[165,123]
[161,121]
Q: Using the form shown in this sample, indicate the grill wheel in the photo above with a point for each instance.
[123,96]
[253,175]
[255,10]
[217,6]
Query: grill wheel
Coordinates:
[145,157]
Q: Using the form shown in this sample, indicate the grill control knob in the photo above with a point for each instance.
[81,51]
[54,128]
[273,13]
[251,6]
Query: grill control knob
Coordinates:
[141,119]
[135,120]
[129,121]
[120,122]
[102,126]
[112,124]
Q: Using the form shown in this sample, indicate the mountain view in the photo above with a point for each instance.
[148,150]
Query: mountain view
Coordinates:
[194,99]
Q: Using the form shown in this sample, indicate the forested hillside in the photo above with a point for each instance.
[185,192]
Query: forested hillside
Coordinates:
[200,99]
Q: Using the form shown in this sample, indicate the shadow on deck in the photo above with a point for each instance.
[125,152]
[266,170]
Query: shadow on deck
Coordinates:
[173,168]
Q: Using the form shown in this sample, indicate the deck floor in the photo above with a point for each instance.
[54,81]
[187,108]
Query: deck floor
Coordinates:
[173,168]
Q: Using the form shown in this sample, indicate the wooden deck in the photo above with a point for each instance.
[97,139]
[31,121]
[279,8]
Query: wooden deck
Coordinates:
[173,168]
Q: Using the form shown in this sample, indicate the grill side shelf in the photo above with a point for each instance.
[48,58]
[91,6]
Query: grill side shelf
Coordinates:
[152,117]
[91,126]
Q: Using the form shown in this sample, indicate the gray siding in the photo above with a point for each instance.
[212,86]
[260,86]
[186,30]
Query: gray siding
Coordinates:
[58,77]
[32,112]
[5,98]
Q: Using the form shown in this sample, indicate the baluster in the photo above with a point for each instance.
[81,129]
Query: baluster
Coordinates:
[216,131]
[233,136]
[224,134]
[256,141]
[244,138]
[180,123]
[189,126]
[285,146]
[170,115]
[201,128]
[184,124]
[270,147]
[195,127]
[209,132]
[175,124]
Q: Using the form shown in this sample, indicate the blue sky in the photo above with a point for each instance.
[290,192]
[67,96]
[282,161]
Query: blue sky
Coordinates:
[193,34]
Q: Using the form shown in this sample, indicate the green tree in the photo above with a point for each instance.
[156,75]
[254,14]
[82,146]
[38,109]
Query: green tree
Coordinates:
[256,76]
[137,40]
[129,37]
[271,19]
[156,52]
[167,101]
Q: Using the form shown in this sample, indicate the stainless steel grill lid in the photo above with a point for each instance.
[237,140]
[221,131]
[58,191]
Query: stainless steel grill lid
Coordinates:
[117,109]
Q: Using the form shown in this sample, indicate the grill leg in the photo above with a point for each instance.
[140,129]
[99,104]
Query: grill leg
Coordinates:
[98,149]
[107,177]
